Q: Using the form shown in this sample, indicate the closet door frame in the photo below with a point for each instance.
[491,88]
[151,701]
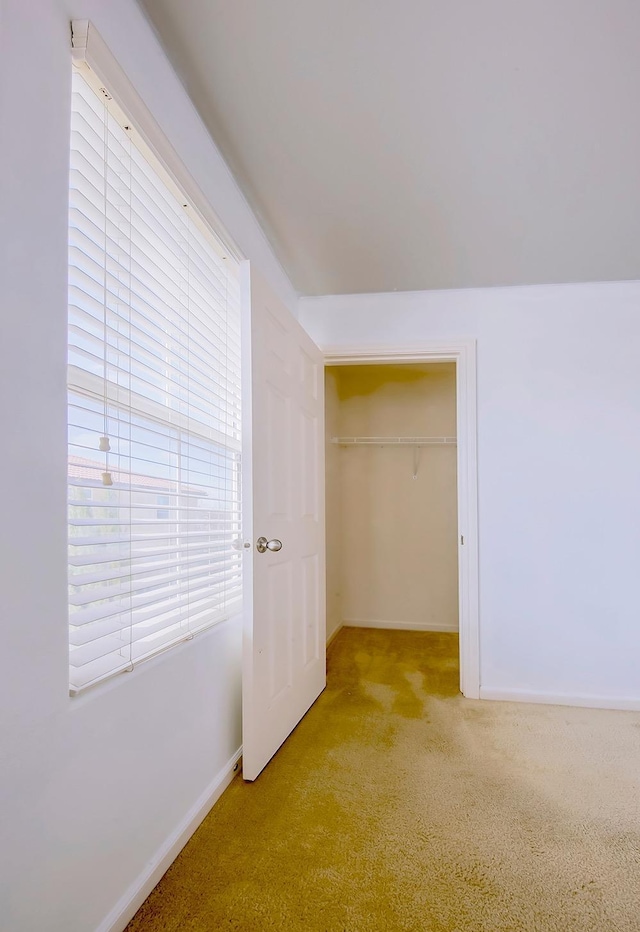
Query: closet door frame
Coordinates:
[463,354]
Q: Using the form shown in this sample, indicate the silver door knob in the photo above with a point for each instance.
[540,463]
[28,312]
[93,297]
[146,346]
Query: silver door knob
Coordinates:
[262,545]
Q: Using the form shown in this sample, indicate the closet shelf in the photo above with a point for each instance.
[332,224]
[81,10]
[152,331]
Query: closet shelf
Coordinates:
[393,441]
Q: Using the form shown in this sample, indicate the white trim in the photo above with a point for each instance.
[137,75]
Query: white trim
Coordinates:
[334,634]
[564,699]
[91,54]
[463,353]
[397,625]
[432,351]
[133,898]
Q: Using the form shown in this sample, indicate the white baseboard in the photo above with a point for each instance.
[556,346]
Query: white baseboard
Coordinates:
[395,625]
[587,702]
[334,634]
[133,898]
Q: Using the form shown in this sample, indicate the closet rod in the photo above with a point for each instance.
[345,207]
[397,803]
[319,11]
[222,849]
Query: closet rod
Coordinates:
[395,441]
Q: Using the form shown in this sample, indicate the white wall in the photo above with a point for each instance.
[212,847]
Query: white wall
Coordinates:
[559,461]
[91,787]
[396,536]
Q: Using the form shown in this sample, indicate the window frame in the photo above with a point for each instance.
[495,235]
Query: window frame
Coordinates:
[93,59]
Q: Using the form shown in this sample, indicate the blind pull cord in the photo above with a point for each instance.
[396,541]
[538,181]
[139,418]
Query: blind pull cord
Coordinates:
[103,444]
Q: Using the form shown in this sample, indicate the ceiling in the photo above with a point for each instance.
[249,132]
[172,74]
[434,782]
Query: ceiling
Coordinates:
[415,144]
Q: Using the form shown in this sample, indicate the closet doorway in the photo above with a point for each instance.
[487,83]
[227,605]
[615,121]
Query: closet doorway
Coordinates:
[401,534]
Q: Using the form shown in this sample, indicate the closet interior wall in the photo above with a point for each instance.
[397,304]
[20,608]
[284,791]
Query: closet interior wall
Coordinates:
[392,555]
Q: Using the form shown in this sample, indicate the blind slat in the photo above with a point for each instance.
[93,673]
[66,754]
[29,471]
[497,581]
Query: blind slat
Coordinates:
[117,654]
[143,568]
[97,559]
[181,574]
[110,626]
[151,604]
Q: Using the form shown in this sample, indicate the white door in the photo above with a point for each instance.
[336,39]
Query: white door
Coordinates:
[284,667]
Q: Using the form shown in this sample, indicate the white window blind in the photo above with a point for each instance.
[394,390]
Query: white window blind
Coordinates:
[154,405]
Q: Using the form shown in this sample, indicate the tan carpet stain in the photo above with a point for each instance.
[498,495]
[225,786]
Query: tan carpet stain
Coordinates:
[398,805]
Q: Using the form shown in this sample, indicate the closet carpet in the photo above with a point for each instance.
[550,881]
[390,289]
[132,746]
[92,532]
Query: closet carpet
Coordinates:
[398,805]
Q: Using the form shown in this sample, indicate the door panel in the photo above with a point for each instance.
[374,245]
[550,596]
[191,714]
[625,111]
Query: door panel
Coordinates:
[283,491]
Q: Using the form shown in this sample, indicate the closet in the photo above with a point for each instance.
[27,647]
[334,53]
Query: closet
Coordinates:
[392,532]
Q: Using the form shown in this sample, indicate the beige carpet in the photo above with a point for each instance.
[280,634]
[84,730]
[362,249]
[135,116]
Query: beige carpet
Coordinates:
[398,805]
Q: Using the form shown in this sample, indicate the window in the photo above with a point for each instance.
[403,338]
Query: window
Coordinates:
[154,404]
[163,512]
